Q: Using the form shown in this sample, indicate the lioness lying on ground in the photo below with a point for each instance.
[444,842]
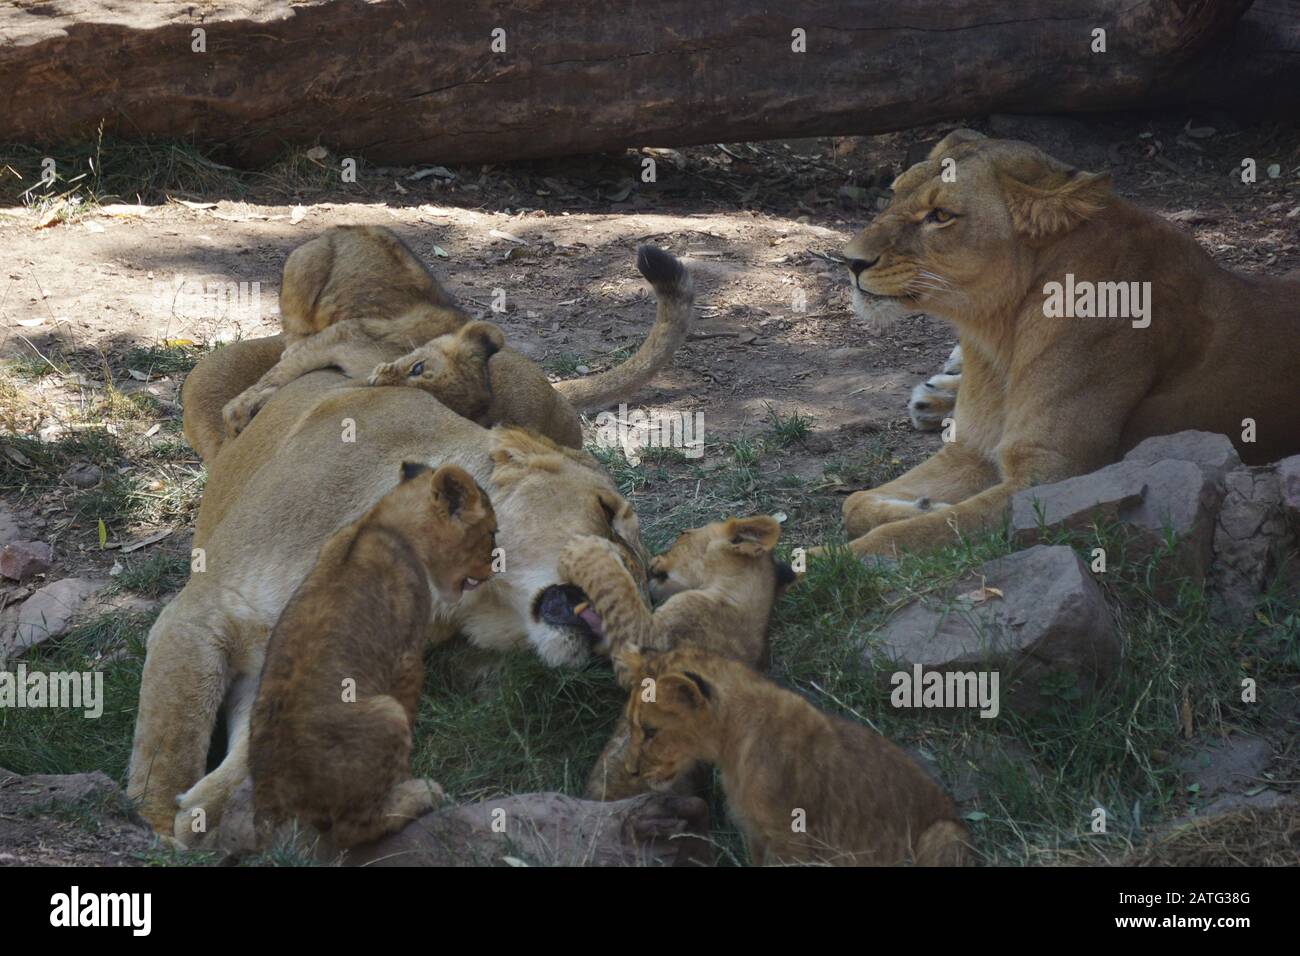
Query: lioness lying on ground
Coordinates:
[452,367]
[330,737]
[991,248]
[367,275]
[803,786]
[315,459]
[714,589]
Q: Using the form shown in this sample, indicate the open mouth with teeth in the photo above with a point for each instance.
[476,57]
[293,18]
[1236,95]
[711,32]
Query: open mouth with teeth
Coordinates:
[566,606]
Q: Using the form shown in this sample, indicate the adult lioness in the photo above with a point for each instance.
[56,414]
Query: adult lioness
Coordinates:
[1042,397]
[312,461]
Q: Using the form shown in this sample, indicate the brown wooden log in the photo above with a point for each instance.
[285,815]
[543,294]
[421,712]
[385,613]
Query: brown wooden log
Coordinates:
[404,80]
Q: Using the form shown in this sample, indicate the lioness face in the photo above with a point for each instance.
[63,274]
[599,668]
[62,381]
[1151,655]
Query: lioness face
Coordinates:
[544,497]
[953,239]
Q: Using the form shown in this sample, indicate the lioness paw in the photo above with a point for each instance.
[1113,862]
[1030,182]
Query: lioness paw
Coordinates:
[932,401]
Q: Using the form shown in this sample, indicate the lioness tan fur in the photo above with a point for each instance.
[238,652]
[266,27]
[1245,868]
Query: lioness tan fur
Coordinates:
[714,589]
[1045,398]
[453,367]
[367,274]
[330,735]
[320,453]
[804,786]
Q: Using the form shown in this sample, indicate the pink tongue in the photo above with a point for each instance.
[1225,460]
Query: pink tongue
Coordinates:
[593,621]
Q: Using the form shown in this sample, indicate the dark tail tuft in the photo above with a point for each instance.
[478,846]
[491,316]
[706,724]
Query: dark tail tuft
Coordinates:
[661,269]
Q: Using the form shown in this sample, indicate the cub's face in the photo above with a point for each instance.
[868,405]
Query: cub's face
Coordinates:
[457,526]
[453,368]
[956,234]
[738,551]
[672,711]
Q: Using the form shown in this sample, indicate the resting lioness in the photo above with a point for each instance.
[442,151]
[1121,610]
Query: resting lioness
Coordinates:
[714,589]
[804,786]
[313,460]
[330,736]
[367,275]
[991,248]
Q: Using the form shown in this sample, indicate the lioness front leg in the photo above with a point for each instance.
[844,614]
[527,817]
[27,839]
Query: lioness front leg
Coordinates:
[935,485]
[323,350]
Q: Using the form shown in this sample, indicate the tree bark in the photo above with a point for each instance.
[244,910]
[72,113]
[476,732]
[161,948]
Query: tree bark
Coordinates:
[401,81]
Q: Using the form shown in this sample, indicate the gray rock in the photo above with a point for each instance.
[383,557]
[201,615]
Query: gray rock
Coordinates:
[1153,499]
[83,475]
[1050,636]
[1230,765]
[1288,475]
[1213,452]
[1251,538]
[50,612]
[9,528]
[23,560]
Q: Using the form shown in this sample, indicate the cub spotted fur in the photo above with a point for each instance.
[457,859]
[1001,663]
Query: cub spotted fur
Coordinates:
[804,786]
[714,589]
[453,367]
[330,737]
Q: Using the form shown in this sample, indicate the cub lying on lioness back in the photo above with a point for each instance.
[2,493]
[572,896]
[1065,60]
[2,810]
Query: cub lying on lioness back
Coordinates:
[715,589]
[804,786]
[330,737]
[453,367]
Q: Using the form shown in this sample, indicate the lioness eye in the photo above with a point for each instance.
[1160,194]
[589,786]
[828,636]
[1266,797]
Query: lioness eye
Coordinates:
[417,369]
[940,216]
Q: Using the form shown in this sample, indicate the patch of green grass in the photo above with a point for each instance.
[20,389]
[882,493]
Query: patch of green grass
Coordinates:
[565,364]
[61,740]
[789,429]
[154,575]
[156,360]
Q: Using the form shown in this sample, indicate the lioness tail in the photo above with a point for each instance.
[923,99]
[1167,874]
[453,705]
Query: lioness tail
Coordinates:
[676,294]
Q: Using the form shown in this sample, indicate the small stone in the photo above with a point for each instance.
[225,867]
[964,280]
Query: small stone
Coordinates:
[83,475]
[22,560]
[50,612]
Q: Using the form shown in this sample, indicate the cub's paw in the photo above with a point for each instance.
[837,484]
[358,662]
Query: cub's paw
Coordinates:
[386,373]
[413,798]
[586,558]
[239,411]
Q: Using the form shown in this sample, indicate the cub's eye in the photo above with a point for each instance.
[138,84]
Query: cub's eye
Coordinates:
[649,732]
[940,216]
[417,369]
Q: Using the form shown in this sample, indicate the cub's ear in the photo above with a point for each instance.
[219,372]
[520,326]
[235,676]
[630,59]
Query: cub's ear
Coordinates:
[411,469]
[459,494]
[953,140]
[686,689]
[753,536]
[1056,205]
[482,336]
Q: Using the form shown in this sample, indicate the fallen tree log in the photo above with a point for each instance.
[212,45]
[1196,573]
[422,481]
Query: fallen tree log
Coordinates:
[489,80]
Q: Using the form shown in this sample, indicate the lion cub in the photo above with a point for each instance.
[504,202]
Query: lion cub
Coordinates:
[804,786]
[715,589]
[330,736]
[453,367]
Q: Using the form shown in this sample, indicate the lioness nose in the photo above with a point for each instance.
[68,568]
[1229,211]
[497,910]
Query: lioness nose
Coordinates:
[857,265]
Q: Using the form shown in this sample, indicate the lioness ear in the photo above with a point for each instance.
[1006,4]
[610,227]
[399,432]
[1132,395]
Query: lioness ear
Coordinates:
[459,494]
[753,536]
[952,140]
[411,469]
[1038,211]
[483,336]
